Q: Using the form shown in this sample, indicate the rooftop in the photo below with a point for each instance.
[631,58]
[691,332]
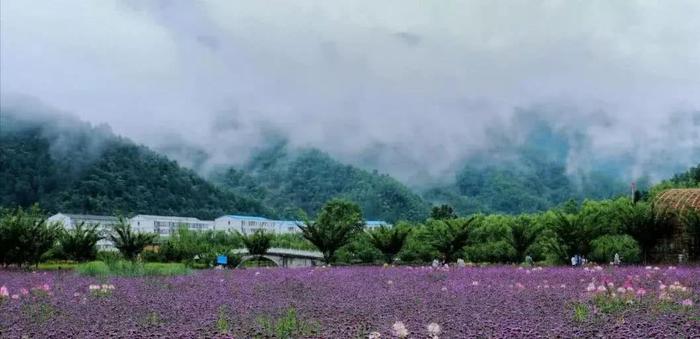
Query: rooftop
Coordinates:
[680,198]
[168,218]
[90,217]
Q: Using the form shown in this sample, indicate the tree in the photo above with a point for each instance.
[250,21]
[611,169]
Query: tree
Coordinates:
[257,243]
[25,236]
[571,235]
[443,212]
[128,242]
[691,223]
[523,235]
[647,224]
[604,248]
[389,241]
[448,237]
[337,222]
[79,244]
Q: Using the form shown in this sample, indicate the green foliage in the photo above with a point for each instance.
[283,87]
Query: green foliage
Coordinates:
[493,251]
[691,224]
[222,322]
[95,172]
[124,268]
[359,250]
[448,237]
[389,241]
[604,248]
[288,326]
[647,224]
[25,236]
[417,248]
[338,221]
[443,212]
[523,234]
[581,312]
[292,240]
[306,180]
[79,243]
[129,243]
[185,245]
[257,243]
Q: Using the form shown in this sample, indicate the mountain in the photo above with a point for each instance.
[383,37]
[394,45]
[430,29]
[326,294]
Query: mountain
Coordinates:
[69,166]
[303,180]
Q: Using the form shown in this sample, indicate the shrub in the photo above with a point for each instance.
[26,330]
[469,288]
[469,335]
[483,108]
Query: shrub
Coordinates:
[79,243]
[496,251]
[603,248]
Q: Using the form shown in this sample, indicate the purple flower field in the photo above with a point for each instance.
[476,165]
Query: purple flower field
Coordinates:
[494,302]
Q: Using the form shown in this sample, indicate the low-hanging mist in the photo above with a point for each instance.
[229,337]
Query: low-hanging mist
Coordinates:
[414,89]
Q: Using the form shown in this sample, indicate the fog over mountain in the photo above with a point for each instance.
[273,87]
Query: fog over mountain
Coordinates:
[412,88]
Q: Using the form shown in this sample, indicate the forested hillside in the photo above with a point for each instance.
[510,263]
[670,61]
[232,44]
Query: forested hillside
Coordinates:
[305,180]
[527,184]
[72,167]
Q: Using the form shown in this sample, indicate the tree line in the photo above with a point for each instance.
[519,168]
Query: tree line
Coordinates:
[637,231]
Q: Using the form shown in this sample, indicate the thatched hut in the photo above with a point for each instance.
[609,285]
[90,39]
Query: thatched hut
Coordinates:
[677,201]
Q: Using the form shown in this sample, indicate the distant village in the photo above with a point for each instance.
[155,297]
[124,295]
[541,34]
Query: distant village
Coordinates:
[164,226]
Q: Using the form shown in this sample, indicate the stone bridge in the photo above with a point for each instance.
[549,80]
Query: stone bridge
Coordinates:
[285,257]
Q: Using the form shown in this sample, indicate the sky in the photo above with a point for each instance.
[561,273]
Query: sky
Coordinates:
[412,88]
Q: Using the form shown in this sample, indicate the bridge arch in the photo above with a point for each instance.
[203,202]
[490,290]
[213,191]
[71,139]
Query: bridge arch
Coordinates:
[275,259]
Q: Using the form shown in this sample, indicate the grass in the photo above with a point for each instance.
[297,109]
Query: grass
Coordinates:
[57,265]
[580,312]
[123,268]
[222,324]
[287,326]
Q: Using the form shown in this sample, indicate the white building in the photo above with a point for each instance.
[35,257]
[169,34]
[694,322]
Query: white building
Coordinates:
[247,225]
[105,224]
[167,225]
[372,224]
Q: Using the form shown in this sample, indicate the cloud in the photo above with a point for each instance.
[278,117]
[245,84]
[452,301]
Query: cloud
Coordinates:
[410,87]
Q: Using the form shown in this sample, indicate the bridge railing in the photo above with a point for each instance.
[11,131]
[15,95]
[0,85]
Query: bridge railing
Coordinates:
[285,252]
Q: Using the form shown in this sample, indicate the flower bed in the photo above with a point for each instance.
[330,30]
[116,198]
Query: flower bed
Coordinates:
[352,302]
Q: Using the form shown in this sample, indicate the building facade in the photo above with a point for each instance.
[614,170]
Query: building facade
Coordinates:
[164,226]
[248,224]
[104,223]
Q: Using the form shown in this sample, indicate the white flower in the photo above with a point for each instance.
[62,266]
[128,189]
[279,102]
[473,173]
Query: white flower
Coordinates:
[444,289]
[390,282]
[475,283]
[374,335]
[591,287]
[434,329]
[400,329]
[601,288]
[94,287]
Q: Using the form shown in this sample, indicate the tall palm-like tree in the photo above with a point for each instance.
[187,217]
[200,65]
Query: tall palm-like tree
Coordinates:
[257,243]
[80,242]
[389,241]
[523,235]
[128,242]
[337,223]
[449,237]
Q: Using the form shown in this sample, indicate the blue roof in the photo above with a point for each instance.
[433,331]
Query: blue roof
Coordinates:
[245,217]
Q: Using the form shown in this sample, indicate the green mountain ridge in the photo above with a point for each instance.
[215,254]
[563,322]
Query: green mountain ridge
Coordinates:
[68,165]
[119,177]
